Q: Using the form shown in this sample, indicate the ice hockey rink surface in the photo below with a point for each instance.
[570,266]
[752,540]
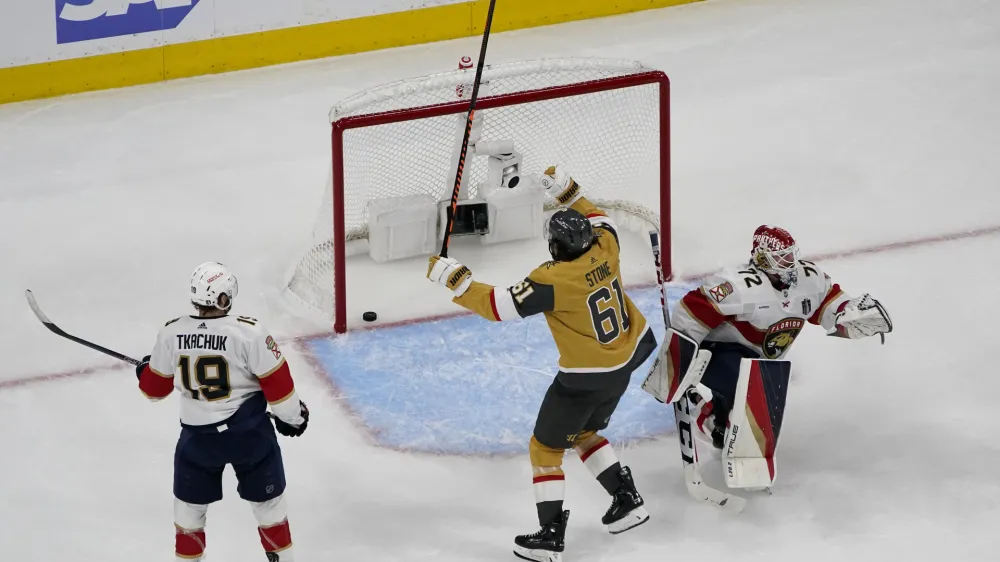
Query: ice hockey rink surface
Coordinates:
[867,128]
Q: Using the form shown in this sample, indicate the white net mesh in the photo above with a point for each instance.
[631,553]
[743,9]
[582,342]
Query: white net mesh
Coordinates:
[609,141]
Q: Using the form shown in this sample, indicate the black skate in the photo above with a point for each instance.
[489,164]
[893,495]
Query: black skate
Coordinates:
[272,557]
[626,509]
[546,545]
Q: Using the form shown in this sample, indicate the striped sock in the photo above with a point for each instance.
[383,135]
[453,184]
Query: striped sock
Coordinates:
[277,538]
[550,488]
[601,461]
[189,545]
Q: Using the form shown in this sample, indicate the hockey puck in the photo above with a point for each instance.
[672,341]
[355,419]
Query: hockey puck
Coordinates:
[369,316]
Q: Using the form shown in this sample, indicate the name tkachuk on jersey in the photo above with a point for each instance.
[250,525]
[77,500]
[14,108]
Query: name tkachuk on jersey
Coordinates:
[217,364]
[740,305]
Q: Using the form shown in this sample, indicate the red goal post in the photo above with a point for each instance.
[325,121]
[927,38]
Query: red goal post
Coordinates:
[527,106]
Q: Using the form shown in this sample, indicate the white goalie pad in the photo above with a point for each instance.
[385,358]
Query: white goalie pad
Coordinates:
[679,365]
[402,227]
[748,452]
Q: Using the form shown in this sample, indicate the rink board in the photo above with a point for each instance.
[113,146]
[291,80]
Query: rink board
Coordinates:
[147,43]
[469,386]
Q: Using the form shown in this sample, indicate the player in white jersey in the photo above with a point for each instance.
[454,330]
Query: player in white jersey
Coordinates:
[227,369]
[757,310]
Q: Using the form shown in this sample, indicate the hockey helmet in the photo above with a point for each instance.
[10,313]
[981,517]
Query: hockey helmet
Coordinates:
[569,234]
[775,253]
[211,280]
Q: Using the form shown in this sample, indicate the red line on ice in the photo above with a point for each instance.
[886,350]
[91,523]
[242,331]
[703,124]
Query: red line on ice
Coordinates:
[925,241]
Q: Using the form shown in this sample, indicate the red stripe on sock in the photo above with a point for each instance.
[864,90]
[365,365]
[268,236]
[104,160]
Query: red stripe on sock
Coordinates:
[189,544]
[547,478]
[276,537]
[592,450]
[493,304]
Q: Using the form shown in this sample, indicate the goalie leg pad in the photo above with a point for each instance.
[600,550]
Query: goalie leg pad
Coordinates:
[679,365]
[755,424]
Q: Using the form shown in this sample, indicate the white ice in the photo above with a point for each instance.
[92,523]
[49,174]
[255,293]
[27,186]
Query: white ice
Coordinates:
[851,123]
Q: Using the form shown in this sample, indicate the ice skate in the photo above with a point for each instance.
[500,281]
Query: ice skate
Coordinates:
[546,545]
[626,509]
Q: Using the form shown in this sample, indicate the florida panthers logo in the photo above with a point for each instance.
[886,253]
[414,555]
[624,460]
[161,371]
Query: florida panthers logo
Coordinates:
[780,335]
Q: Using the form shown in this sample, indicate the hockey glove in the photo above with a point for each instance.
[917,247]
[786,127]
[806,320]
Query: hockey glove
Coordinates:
[450,273]
[864,316]
[559,186]
[141,366]
[289,430]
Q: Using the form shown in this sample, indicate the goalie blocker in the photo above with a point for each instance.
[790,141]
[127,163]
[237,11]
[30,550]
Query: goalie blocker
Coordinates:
[679,365]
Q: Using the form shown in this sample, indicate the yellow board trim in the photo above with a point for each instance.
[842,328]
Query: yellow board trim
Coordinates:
[254,50]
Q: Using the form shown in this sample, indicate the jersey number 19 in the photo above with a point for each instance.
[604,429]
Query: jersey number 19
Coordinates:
[212,374]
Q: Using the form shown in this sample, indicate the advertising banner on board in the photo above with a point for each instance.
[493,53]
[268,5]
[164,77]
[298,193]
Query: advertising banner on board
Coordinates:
[86,20]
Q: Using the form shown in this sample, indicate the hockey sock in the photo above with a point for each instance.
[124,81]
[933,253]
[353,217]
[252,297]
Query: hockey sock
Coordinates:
[548,480]
[275,534]
[600,459]
[276,538]
[189,545]
[549,484]
[189,530]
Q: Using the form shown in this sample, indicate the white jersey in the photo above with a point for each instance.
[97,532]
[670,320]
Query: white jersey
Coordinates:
[216,365]
[739,305]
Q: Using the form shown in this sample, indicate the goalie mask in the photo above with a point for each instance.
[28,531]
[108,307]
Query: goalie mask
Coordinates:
[569,234]
[775,253]
[209,281]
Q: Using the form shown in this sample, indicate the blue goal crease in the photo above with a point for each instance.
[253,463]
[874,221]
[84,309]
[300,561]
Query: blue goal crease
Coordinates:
[466,386]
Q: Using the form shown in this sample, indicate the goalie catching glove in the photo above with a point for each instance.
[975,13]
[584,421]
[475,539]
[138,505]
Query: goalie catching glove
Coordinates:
[862,317]
[450,273]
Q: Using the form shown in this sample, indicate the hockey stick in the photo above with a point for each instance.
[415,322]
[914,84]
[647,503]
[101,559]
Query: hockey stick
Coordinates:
[654,240]
[682,415]
[59,332]
[696,486]
[468,131]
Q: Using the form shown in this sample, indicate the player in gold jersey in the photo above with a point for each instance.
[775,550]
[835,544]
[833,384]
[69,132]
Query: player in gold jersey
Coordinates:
[602,338]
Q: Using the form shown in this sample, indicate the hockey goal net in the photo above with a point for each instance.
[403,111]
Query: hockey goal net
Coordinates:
[606,121]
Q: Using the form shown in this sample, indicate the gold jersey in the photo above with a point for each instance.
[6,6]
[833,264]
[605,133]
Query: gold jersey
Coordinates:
[594,323]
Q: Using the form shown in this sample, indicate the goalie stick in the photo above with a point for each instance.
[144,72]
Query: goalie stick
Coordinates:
[60,332]
[468,131]
[682,415]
